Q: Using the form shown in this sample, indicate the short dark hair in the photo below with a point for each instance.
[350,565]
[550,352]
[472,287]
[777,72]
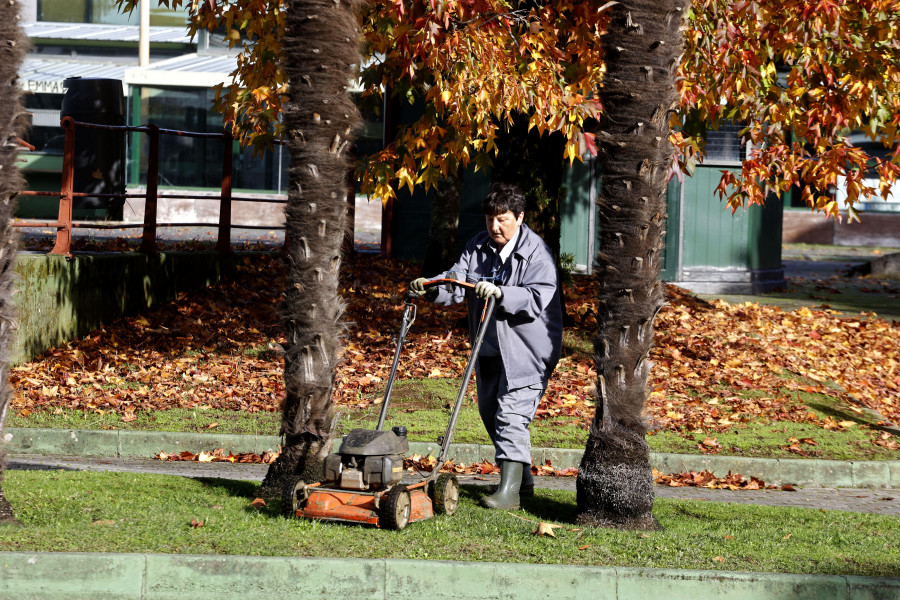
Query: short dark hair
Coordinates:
[503,197]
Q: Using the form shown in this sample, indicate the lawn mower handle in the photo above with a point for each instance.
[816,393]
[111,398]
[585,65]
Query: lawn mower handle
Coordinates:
[467,375]
[445,281]
[409,315]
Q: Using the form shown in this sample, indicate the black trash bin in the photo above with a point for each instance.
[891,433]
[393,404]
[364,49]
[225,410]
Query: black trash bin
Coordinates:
[99,153]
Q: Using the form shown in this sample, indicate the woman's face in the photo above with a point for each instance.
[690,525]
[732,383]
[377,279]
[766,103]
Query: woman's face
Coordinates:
[503,227]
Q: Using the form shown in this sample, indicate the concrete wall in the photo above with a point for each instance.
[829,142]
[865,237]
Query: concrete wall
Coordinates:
[875,229]
[266,210]
[60,299]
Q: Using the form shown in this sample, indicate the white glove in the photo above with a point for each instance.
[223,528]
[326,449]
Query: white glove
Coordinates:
[486,289]
[417,286]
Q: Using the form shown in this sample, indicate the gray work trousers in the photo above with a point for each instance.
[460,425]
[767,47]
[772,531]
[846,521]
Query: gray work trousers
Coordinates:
[506,413]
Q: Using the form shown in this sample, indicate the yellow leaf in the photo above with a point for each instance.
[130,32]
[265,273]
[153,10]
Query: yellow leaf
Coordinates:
[546,529]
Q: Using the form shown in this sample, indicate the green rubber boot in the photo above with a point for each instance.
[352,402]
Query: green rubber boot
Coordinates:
[527,487]
[507,495]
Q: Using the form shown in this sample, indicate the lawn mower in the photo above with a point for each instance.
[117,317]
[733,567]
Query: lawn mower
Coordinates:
[363,481]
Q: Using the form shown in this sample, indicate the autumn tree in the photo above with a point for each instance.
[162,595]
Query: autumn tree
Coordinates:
[608,77]
[320,44]
[318,50]
[643,41]
[12,53]
[800,75]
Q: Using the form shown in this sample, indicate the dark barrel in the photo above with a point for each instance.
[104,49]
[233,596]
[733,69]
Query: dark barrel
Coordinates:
[99,154]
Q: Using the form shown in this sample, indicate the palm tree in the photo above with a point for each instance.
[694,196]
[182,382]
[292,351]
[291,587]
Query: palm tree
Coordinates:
[643,48]
[12,52]
[320,51]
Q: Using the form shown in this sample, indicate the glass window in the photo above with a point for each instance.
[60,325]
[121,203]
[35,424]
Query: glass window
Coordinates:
[197,162]
[45,134]
[71,11]
[724,144]
[105,12]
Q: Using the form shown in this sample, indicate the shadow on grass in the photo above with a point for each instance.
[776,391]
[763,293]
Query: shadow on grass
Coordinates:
[248,490]
[539,506]
[839,414]
[850,296]
[233,487]
[549,509]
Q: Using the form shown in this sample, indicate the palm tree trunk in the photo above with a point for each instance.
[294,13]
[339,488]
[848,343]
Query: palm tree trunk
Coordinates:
[644,45]
[320,47]
[12,122]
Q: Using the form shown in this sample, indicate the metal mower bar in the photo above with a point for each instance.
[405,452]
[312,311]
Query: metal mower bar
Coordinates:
[409,315]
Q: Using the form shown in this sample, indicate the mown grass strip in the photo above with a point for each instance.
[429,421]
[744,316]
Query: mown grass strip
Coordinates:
[126,512]
[423,407]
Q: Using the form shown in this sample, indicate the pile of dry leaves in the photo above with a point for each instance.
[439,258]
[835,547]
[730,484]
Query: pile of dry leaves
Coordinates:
[219,348]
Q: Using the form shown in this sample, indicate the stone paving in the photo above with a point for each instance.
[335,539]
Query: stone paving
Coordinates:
[878,501]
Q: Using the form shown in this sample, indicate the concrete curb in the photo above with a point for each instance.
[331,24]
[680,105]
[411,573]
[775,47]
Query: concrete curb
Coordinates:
[163,576]
[146,444]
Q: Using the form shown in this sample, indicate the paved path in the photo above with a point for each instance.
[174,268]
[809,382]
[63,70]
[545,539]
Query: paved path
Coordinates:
[878,501]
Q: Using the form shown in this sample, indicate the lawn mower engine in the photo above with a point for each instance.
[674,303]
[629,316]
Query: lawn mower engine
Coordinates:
[368,459]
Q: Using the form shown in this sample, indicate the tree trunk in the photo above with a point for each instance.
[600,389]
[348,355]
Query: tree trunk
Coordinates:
[12,52]
[644,45]
[321,45]
[441,252]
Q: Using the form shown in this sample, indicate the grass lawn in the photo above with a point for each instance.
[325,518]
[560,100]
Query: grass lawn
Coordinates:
[123,512]
[423,407]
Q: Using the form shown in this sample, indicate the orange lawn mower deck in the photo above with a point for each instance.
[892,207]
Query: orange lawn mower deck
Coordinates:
[363,479]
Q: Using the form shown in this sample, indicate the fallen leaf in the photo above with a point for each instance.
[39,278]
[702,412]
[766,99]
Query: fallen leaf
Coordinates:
[719,559]
[258,503]
[546,529]
[196,524]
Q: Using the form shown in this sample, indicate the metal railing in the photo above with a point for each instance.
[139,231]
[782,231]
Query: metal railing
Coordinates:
[65,224]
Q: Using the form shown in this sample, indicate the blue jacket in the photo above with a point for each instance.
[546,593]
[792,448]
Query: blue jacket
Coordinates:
[529,314]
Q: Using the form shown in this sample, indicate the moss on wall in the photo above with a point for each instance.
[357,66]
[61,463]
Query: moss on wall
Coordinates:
[60,299]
